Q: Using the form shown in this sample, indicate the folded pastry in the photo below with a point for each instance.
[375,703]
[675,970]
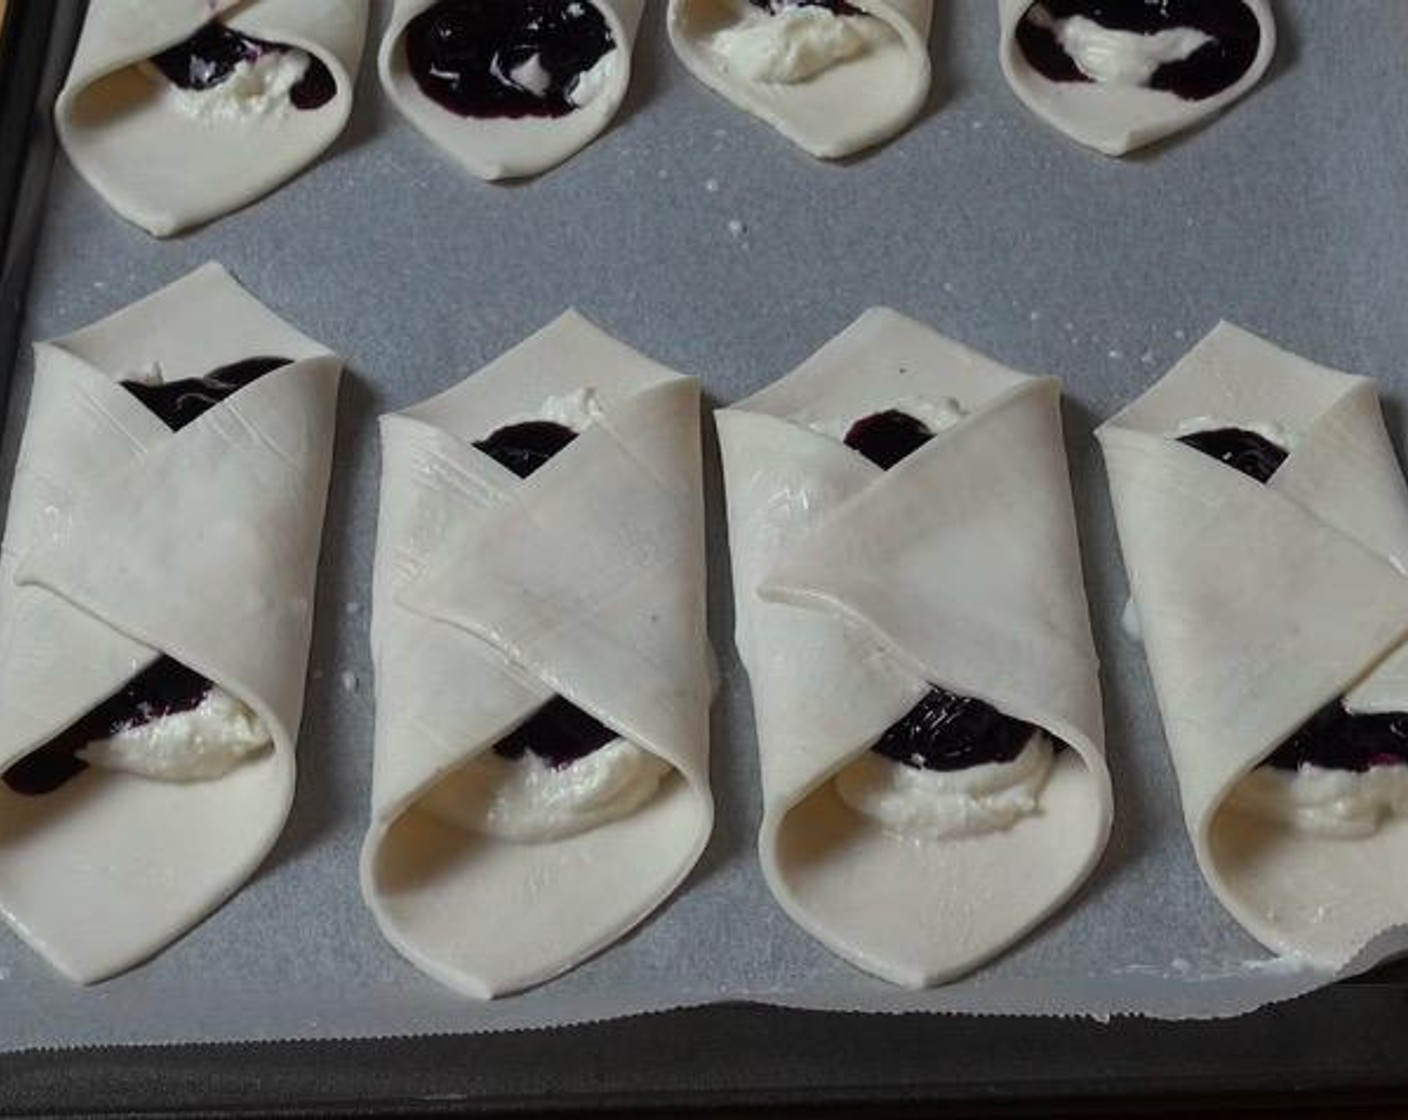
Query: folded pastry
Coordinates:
[1119,74]
[543,675]
[509,90]
[911,613]
[180,111]
[156,590]
[833,77]
[1264,523]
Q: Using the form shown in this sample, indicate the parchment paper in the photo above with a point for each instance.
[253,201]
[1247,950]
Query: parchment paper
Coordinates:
[698,235]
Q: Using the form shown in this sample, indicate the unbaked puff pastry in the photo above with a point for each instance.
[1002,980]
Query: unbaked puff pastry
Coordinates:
[833,77]
[156,590]
[180,111]
[1116,75]
[1264,523]
[912,617]
[509,90]
[543,674]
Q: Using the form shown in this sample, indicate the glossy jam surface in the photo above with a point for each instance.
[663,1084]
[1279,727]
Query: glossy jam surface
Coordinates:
[180,402]
[489,58]
[1335,740]
[838,7]
[210,56]
[523,448]
[945,731]
[166,688]
[885,438]
[559,733]
[1212,68]
[1254,455]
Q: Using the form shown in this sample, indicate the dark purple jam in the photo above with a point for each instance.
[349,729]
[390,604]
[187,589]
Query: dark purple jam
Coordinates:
[166,688]
[488,58]
[838,7]
[180,402]
[948,732]
[210,56]
[1336,740]
[559,733]
[887,437]
[1212,68]
[1253,455]
[523,448]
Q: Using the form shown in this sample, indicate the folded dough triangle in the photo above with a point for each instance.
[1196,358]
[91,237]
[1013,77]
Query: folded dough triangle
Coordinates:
[1116,120]
[852,105]
[509,148]
[126,540]
[1259,605]
[164,171]
[492,594]
[857,589]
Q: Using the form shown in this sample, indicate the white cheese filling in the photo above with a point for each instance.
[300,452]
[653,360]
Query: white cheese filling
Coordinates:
[254,91]
[1340,804]
[1119,58]
[946,804]
[592,83]
[528,801]
[198,745]
[577,410]
[937,416]
[794,44]
[1130,621]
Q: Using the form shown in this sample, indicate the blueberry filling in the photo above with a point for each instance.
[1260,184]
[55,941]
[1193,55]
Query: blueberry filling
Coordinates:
[486,58]
[559,733]
[836,7]
[948,732]
[166,688]
[210,56]
[1252,454]
[523,448]
[887,437]
[1215,66]
[180,402]
[1333,738]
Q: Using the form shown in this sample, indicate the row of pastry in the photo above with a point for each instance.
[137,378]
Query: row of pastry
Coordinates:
[182,111]
[910,611]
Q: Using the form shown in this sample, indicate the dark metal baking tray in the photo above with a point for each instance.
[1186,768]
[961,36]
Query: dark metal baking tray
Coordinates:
[1338,1047]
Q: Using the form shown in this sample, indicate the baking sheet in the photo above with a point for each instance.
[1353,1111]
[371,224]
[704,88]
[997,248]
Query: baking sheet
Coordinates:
[699,236]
